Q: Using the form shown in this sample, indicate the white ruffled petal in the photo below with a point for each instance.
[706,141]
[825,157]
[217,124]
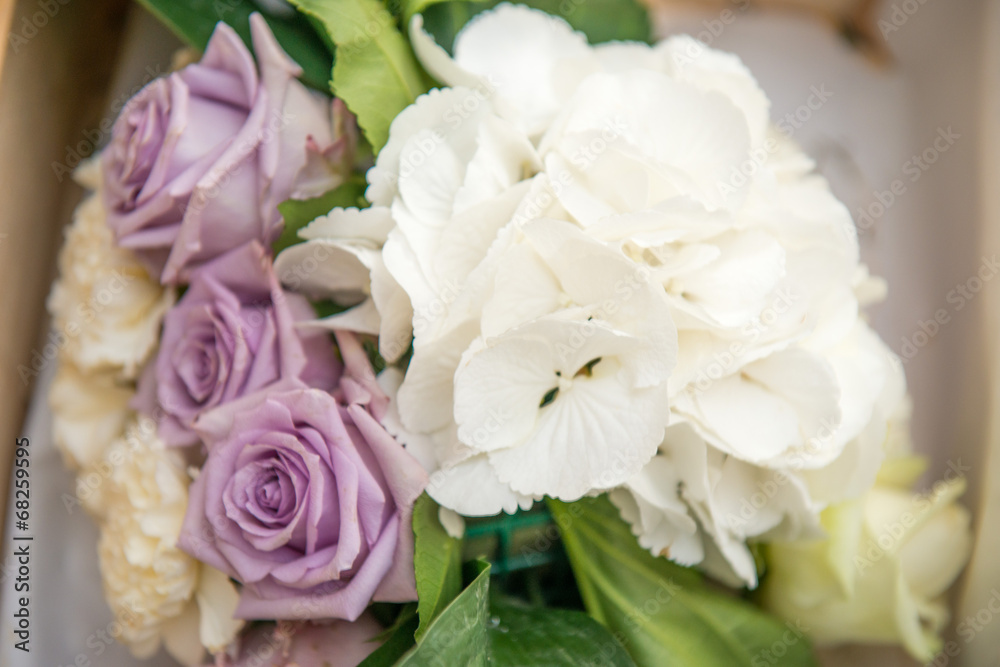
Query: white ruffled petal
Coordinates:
[525,72]
[472,488]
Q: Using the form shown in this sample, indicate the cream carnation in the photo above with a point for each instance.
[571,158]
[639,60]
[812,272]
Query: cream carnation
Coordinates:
[106,309]
[89,412]
[158,593]
[620,276]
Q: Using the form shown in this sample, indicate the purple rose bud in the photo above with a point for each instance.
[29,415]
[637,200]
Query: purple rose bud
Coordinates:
[231,334]
[306,500]
[198,161]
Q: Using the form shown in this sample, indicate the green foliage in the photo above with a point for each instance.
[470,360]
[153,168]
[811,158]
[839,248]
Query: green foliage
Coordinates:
[397,640]
[662,612]
[477,630]
[298,213]
[376,73]
[600,20]
[524,635]
[194,20]
[458,635]
[438,563]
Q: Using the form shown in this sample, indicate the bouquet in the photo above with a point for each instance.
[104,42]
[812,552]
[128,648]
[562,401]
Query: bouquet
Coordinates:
[461,333]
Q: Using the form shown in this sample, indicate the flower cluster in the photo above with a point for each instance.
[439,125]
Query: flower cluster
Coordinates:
[583,270]
[218,440]
[619,277]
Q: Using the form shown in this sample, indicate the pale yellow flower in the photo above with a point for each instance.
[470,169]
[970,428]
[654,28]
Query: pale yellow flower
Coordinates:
[882,573]
[89,411]
[158,593]
[106,309]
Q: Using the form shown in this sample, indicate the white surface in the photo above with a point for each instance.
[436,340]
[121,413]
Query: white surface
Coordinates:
[924,244]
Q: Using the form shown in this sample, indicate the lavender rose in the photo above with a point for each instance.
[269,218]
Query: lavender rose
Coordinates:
[198,161]
[285,644]
[231,334]
[306,500]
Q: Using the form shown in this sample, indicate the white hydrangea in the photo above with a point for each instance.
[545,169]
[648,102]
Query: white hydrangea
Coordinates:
[615,275]
[158,593]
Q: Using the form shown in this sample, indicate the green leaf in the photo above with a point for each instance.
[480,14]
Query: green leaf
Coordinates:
[194,20]
[326,308]
[662,612]
[475,630]
[524,635]
[600,20]
[391,616]
[376,73]
[438,563]
[399,641]
[298,213]
[458,635]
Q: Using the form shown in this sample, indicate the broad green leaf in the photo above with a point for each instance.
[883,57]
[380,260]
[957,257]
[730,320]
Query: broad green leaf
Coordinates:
[600,20]
[194,20]
[376,73]
[298,213]
[523,635]
[395,646]
[438,562]
[663,613]
[458,635]
[475,630]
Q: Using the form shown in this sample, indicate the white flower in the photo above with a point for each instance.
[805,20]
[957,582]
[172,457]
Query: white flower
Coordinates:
[571,366]
[696,505]
[736,500]
[523,198]
[881,574]
[158,593]
[106,309]
[89,412]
